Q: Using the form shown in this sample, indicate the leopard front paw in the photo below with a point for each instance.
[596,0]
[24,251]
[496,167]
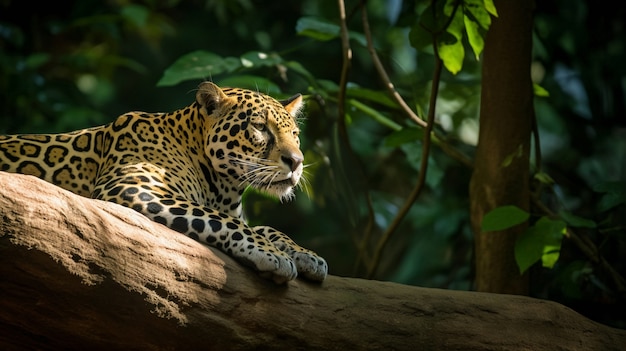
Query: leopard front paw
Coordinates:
[310,265]
[274,264]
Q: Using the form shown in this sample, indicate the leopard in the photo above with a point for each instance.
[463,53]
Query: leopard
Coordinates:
[188,170]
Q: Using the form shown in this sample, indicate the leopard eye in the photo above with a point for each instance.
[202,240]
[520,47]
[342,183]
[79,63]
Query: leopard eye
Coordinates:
[261,127]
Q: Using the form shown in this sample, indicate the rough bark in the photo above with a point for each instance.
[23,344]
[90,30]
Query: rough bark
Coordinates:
[77,273]
[502,166]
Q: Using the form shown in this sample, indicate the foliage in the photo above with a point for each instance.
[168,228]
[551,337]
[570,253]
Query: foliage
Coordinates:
[540,241]
[79,64]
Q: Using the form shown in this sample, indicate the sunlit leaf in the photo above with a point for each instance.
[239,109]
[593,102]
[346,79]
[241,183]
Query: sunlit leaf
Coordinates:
[452,56]
[503,217]
[544,178]
[475,9]
[491,8]
[538,90]
[541,241]
[451,50]
[197,65]
[550,255]
[474,36]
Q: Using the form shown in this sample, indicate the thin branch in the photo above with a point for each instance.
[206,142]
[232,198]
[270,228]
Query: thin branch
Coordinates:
[341,103]
[423,166]
[345,67]
[383,73]
[439,139]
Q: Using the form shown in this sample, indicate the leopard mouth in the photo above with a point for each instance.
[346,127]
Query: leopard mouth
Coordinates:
[285,183]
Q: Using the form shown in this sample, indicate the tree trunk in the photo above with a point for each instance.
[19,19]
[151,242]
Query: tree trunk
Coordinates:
[77,273]
[501,167]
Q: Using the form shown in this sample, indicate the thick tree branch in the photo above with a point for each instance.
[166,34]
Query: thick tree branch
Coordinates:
[77,273]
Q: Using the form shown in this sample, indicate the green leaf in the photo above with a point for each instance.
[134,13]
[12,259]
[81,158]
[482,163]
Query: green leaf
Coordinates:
[519,152]
[420,38]
[452,56]
[322,30]
[538,90]
[403,136]
[475,9]
[377,116]
[504,217]
[576,221]
[136,14]
[317,28]
[615,195]
[544,178]
[380,97]
[299,69]
[434,173]
[477,22]
[36,60]
[491,8]
[197,65]
[541,241]
[431,20]
[474,36]
[250,82]
[451,50]
[259,59]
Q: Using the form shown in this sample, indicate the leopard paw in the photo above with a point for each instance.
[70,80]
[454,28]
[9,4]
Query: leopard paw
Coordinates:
[275,265]
[310,265]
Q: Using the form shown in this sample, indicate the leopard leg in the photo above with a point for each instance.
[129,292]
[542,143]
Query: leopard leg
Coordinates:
[208,226]
[308,263]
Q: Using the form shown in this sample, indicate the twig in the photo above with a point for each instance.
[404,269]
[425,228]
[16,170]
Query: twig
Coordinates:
[423,166]
[439,140]
[343,82]
[345,67]
[383,73]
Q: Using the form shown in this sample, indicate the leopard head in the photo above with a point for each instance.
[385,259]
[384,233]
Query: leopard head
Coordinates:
[252,138]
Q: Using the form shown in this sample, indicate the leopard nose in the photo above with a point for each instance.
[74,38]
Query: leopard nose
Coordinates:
[293,160]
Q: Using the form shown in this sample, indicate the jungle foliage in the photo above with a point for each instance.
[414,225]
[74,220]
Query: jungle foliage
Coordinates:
[75,64]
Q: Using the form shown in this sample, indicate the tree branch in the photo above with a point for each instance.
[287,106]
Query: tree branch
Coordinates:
[78,273]
[382,73]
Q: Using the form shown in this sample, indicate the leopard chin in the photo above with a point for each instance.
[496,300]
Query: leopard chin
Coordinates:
[283,190]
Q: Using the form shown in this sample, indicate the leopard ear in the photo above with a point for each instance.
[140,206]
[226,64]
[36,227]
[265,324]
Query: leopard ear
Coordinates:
[210,96]
[293,104]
